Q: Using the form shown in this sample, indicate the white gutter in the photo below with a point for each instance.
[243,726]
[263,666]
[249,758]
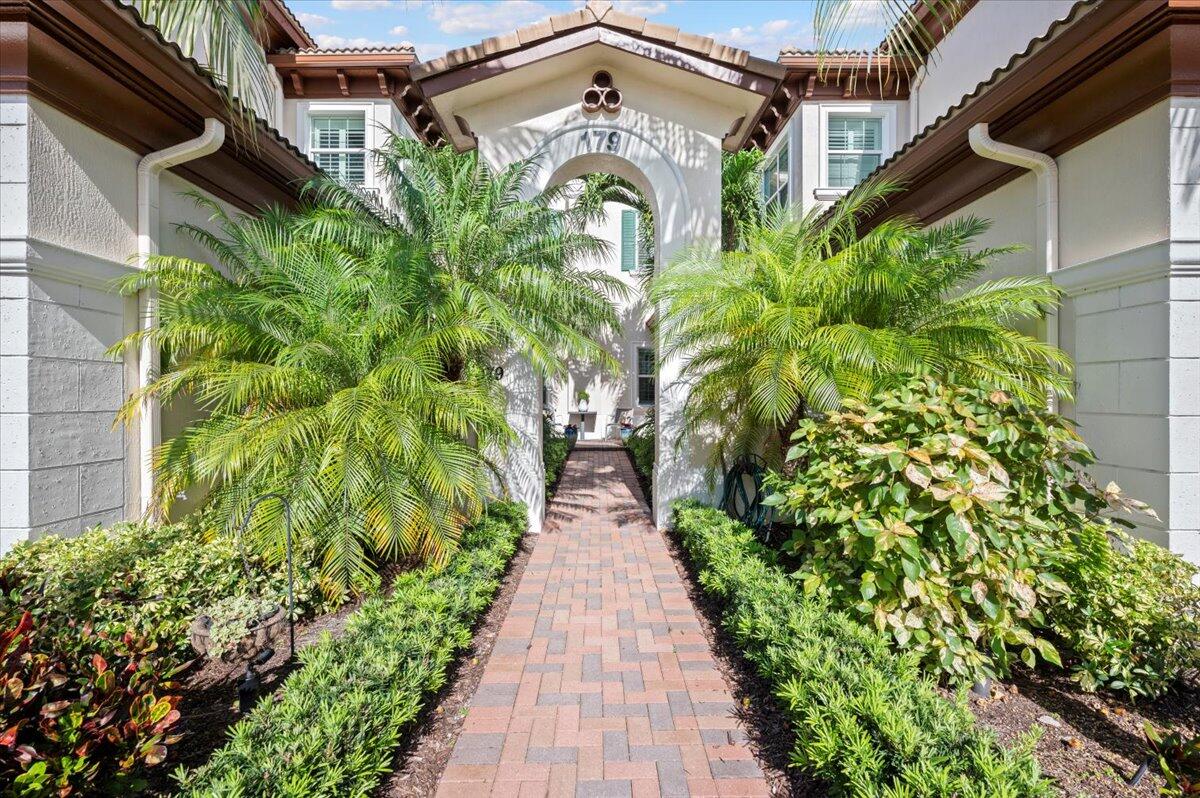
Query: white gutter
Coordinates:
[149,168]
[1046,170]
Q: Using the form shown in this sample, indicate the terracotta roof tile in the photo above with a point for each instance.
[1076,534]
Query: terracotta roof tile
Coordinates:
[399,48]
[598,12]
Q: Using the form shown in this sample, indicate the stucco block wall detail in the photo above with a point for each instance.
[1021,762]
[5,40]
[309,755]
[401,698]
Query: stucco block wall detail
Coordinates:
[67,231]
[1129,227]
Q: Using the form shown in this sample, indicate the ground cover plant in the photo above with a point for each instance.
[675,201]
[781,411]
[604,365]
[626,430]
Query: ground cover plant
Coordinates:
[866,720]
[962,524]
[333,728]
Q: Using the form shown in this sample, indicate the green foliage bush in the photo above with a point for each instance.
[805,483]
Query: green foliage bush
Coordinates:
[555,449]
[334,728]
[640,444]
[864,717]
[1132,618]
[144,578]
[108,613]
[962,524]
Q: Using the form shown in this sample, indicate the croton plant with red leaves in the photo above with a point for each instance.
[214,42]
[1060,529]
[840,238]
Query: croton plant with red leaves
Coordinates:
[86,716]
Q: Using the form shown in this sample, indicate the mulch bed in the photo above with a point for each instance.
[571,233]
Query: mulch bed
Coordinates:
[1091,742]
[425,751]
[208,690]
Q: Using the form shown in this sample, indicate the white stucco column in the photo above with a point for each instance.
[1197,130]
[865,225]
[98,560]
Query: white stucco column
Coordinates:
[680,462]
[524,473]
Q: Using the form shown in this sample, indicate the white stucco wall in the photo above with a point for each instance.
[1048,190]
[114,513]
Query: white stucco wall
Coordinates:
[68,230]
[608,393]
[982,41]
[1129,227]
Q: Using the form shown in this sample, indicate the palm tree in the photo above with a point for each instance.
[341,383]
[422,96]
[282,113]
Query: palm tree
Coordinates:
[811,313]
[318,356]
[223,34]
[509,261]
[741,196]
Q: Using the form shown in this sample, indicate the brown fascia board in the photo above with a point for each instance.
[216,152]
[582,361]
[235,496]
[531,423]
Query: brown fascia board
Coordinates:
[575,22]
[99,63]
[1117,60]
[444,81]
[361,75]
[937,26]
[283,28]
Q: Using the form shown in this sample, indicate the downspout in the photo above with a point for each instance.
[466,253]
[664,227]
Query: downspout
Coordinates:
[149,168]
[1046,170]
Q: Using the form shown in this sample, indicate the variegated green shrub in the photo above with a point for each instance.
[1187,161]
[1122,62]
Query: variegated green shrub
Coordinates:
[941,515]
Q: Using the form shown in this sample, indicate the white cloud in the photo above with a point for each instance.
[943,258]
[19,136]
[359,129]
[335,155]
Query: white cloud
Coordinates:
[486,19]
[768,38]
[361,5]
[641,8]
[313,20]
[331,42]
[399,30]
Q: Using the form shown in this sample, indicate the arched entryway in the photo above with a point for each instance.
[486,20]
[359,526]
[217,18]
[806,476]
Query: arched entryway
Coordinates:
[683,100]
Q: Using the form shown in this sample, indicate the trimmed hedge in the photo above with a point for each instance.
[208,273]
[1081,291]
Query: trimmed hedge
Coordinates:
[866,720]
[334,728]
[555,449]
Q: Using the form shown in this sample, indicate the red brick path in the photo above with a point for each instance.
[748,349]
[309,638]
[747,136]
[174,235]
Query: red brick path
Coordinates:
[601,683]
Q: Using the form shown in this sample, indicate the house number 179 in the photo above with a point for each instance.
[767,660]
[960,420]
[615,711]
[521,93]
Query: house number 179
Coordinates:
[601,140]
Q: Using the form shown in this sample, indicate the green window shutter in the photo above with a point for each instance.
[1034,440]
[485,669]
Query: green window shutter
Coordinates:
[628,241]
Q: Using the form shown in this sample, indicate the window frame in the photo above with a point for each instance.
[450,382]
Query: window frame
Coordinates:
[373,136]
[771,166]
[639,375]
[885,112]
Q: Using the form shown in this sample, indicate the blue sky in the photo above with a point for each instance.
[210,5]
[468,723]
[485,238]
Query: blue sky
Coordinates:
[433,26]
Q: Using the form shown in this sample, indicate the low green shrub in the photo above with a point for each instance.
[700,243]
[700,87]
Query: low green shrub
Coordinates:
[640,444]
[82,718]
[944,515]
[143,578]
[105,616]
[555,449]
[1132,618]
[865,718]
[333,729]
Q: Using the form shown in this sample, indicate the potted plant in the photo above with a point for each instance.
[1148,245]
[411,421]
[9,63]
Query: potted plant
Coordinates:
[572,433]
[237,628]
[583,397]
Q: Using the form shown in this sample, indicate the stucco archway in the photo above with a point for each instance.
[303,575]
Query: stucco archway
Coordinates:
[685,101]
[621,147]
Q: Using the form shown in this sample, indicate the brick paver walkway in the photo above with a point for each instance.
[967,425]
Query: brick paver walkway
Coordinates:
[601,682]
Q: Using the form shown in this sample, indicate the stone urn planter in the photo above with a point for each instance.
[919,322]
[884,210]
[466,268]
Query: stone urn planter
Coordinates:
[238,629]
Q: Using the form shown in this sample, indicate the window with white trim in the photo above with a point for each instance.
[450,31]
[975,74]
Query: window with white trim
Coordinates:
[338,144]
[854,148]
[777,177]
[645,376]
